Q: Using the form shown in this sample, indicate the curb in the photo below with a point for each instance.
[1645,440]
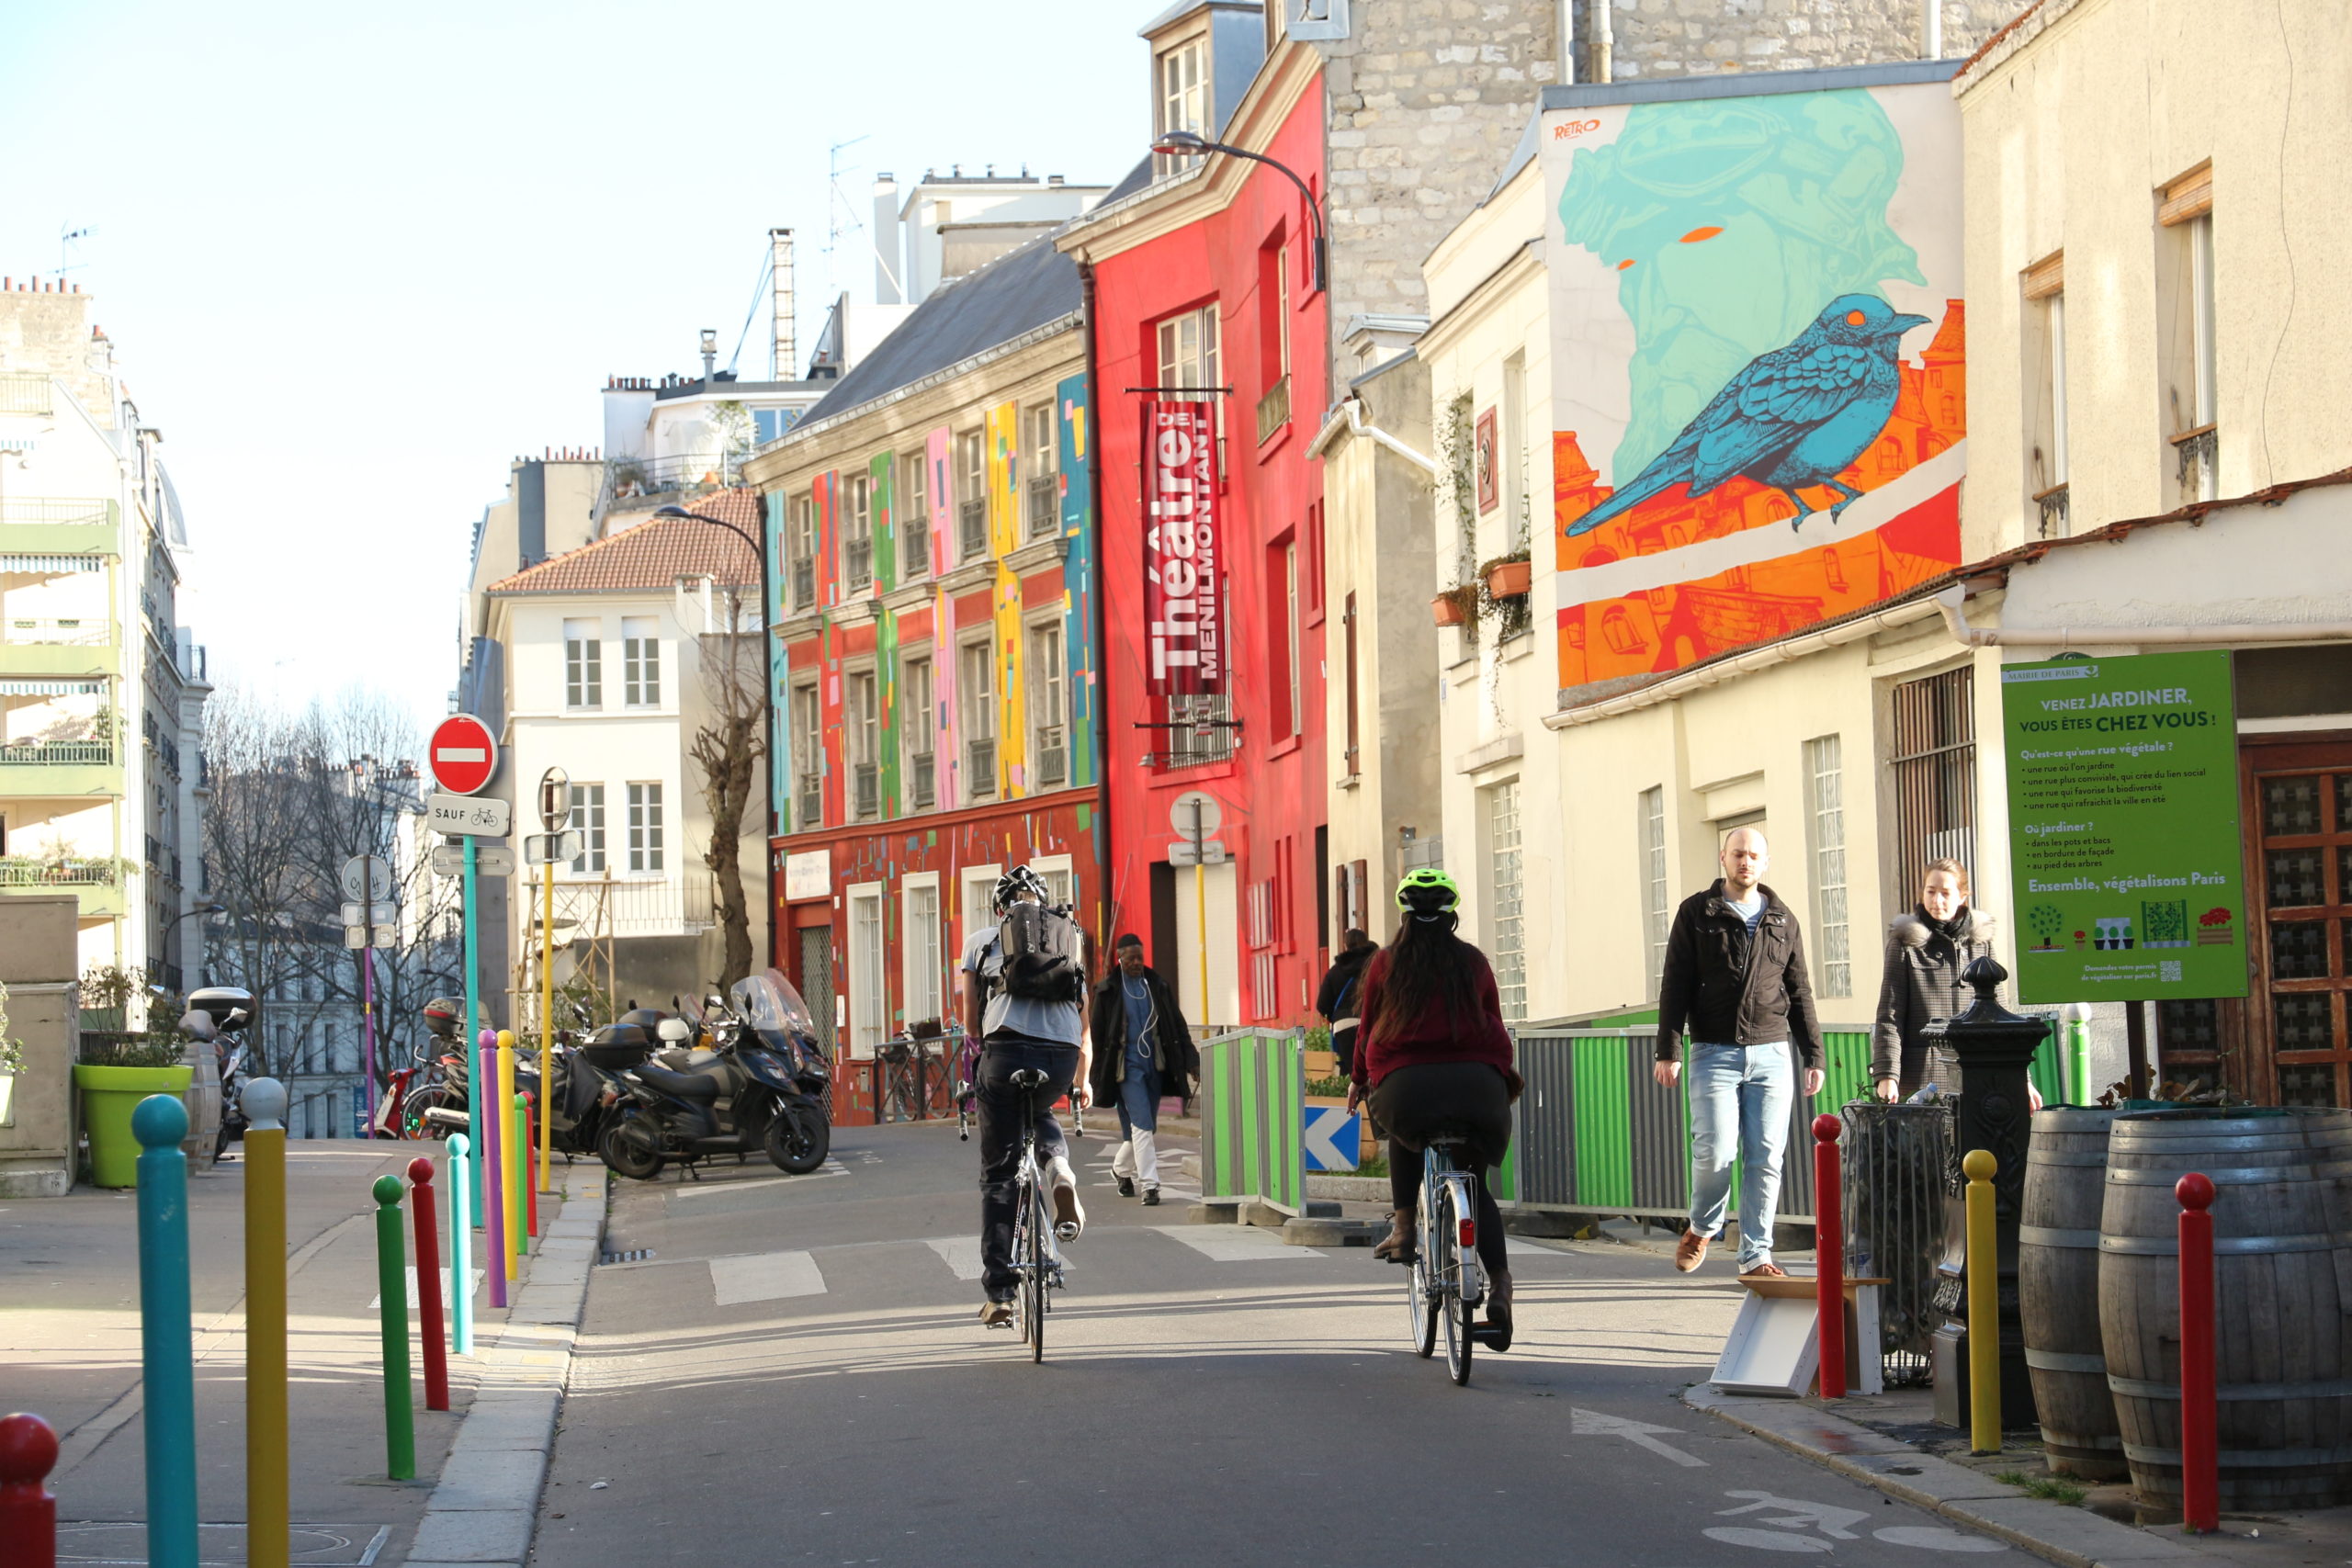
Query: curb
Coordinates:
[484,1511]
[2071,1537]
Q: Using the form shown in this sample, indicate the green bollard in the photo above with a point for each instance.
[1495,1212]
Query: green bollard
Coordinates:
[516,1176]
[392,1278]
[166,1343]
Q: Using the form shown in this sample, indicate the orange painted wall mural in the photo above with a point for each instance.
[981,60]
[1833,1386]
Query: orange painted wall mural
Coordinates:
[1759,357]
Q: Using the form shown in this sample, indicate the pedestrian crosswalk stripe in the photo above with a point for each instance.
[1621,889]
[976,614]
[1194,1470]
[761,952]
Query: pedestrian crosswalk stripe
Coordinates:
[766,1277]
[691,1188]
[1235,1244]
[960,1253]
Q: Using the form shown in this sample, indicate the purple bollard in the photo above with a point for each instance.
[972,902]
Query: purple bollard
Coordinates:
[493,1168]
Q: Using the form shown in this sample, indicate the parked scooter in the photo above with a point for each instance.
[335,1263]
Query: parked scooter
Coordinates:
[216,1014]
[585,1068]
[762,1086]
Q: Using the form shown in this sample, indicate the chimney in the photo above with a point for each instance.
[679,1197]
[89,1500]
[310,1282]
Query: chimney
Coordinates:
[886,263]
[709,353]
[784,351]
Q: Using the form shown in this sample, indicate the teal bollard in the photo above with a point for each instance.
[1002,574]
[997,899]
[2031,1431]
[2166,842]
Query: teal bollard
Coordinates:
[166,1343]
[392,1276]
[461,1247]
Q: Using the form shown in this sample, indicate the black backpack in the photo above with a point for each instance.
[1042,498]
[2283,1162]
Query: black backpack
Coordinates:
[1041,953]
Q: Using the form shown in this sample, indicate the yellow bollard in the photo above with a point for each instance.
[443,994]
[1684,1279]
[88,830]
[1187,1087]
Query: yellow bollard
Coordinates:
[547,1022]
[517,1160]
[1983,1305]
[268,1505]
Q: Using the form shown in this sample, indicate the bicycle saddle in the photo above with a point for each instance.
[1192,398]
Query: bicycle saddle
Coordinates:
[1028,1078]
[694,1085]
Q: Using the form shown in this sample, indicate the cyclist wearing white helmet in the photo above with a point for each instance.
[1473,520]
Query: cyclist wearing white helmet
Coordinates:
[1433,1057]
[1019,1031]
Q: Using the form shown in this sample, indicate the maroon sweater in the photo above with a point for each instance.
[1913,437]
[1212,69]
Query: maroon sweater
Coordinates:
[1436,1035]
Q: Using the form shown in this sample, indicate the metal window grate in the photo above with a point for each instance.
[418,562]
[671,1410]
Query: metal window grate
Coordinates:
[973,520]
[921,781]
[1507,929]
[1044,512]
[1934,768]
[869,789]
[979,770]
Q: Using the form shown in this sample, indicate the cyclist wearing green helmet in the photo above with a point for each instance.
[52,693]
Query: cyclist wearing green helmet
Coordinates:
[1433,1057]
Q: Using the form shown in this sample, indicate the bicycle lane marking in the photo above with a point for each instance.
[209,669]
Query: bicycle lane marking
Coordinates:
[1595,1423]
[1782,1517]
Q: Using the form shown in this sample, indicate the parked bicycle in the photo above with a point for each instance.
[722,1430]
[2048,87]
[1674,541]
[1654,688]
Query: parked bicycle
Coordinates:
[1036,1259]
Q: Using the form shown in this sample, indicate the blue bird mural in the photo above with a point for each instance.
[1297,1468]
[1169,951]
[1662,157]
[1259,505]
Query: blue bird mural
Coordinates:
[1795,418]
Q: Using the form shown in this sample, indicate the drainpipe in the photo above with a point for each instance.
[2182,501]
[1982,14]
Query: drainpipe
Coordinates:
[1931,29]
[1952,599]
[1349,416]
[1603,43]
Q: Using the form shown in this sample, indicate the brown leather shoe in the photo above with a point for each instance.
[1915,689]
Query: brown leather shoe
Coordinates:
[1397,1246]
[1764,1271]
[1691,1251]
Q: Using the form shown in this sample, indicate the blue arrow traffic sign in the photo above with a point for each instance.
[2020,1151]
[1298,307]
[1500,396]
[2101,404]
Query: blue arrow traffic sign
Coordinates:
[1334,1136]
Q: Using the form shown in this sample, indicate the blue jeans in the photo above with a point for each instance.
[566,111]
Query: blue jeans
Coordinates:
[1739,1106]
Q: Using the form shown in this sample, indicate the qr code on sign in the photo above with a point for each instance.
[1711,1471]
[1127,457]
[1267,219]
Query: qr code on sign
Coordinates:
[2167,970]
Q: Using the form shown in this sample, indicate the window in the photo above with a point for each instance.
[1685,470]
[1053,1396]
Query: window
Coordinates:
[919,723]
[1045,497]
[641,661]
[808,757]
[1199,731]
[1273,337]
[862,716]
[1048,709]
[857,537]
[976,689]
[800,550]
[769,424]
[1934,768]
[1290,638]
[979,886]
[1183,99]
[1282,636]
[1649,818]
[925,971]
[1506,919]
[1348,624]
[1263,901]
[1826,815]
[2045,391]
[1188,350]
[583,664]
[972,495]
[868,999]
[914,518]
[2185,322]
[1512,459]
[645,827]
[588,818]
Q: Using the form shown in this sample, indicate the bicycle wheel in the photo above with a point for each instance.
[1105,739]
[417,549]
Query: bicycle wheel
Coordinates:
[1032,1287]
[1453,1300]
[1420,1280]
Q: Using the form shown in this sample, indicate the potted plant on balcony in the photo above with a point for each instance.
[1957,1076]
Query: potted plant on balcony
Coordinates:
[1507,577]
[1456,606]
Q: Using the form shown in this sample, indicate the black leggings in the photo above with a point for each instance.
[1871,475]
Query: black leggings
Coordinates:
[1466,1098]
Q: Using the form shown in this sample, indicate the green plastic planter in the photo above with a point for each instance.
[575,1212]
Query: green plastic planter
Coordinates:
[108,1097]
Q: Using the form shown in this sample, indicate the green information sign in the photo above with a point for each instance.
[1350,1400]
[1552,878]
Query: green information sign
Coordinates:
[2123,827]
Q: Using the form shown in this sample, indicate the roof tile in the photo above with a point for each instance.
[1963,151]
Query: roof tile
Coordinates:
[653,555]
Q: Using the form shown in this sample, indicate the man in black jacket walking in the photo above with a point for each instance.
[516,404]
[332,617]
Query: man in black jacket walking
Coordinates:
[1142,1050]
[1736,980]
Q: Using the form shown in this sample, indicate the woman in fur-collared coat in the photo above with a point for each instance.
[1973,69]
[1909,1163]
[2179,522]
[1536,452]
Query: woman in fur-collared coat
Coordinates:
[1926,950]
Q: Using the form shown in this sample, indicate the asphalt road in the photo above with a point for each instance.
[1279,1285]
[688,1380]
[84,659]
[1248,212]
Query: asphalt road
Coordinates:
[795,1374]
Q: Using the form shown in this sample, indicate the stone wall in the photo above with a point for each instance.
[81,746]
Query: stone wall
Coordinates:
[1427,97]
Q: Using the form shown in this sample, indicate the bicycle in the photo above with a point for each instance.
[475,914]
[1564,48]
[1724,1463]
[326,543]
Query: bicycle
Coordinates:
[1447,1285]
[1036,1258]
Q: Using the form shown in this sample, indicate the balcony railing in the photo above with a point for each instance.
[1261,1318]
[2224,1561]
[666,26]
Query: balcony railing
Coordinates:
[23,871]
[81,631]
[58,753]
[50,511]
[979,768]
[638,479]
[1044,511]
[1273,409]
[1053,756]
[804,583]
[809,803]
[24,391]
[973,518]
[920,783]
[867,779]
[914,550]
[859,555]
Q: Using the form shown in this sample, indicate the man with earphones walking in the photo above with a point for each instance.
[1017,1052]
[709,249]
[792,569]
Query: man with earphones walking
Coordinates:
[1142,1050]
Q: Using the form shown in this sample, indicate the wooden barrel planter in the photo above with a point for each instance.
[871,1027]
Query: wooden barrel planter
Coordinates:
[2058,1260]
[2282,1296]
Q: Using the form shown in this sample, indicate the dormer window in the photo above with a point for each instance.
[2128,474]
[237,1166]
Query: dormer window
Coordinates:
[1182,73]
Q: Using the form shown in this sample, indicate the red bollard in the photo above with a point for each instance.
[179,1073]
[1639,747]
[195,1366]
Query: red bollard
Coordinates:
[1830,1256]
[27,1512]
[428,1284]
[2200,1457]
[530,1183]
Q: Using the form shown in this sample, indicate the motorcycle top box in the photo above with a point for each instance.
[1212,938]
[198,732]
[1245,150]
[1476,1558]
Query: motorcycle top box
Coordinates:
[617,1047]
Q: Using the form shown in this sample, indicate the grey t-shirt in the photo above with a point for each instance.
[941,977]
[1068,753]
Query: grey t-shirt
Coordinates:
[1061,1022]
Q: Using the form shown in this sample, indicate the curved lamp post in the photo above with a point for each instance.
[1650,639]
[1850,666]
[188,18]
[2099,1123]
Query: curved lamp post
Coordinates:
[1186,144]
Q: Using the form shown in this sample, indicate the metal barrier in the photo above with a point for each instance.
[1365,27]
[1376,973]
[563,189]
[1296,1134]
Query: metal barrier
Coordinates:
[1253,1089]
[1596,1136]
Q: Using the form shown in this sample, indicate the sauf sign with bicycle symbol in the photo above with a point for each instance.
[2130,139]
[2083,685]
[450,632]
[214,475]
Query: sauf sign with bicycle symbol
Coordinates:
[1769,1523]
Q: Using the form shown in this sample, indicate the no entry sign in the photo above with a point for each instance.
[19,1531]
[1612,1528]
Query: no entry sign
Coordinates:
[463,755]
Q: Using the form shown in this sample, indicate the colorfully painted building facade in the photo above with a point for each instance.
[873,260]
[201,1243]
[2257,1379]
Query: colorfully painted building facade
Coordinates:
[933,665]
[1204,296]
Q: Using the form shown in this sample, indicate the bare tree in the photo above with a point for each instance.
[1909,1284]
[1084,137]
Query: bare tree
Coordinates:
[729,747]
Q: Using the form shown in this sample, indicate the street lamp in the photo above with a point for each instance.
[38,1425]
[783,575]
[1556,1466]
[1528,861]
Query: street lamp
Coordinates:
[767,700]
[1187,143]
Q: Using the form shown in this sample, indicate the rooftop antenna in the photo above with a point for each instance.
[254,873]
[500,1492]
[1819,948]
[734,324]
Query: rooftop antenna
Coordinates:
[69,249]
[844,218]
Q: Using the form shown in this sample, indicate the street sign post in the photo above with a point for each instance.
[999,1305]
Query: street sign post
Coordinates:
[467,815]
[1195,814]
[1212,853]
[463,754]
[369,923]
[547,848]
[368,877]
[372,915]
[544,849]
[490,860]
[555,799]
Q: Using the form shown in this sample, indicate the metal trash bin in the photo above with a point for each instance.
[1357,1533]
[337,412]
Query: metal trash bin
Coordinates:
[1893,1167]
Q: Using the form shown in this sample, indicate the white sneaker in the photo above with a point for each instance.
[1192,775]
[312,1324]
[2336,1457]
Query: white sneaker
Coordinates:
[1069,1215]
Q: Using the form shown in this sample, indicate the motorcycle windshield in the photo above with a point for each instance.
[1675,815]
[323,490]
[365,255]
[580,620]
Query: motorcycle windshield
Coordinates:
[770,1004]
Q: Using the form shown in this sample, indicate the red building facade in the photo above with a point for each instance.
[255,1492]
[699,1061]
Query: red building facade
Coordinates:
[1204,282]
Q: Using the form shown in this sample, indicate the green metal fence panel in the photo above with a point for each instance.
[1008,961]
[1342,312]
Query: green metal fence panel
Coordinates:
[1253,1104]
[1604,1141]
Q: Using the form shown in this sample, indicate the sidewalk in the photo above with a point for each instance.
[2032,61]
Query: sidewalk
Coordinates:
[69,1334]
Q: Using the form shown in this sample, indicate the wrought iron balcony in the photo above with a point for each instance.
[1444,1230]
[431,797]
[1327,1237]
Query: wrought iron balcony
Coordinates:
[973,516]
[1053,757]
[914,550]
[1273,409]
[23,871]
[58,753]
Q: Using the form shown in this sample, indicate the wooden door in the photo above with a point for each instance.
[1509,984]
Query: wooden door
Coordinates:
[2298,816]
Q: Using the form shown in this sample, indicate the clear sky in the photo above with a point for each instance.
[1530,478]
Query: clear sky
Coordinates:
[355,259]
